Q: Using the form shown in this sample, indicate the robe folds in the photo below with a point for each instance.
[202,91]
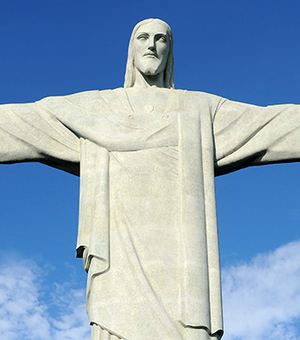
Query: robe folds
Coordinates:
[147,221]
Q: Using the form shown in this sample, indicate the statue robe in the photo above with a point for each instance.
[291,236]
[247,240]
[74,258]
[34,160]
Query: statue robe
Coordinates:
[147,221]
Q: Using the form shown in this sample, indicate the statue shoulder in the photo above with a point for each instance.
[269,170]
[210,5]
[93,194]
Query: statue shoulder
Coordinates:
[83,99]
[94,95]
[75,97]
[199,99]
[202,96]
[89,102]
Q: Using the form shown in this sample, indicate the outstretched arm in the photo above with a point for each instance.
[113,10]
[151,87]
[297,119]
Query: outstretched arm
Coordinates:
[247,135]
[30,132]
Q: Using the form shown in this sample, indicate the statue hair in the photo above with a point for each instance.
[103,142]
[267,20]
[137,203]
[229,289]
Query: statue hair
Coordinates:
[130,67]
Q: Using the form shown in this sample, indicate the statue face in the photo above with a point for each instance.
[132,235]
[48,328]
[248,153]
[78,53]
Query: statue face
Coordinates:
[151,48]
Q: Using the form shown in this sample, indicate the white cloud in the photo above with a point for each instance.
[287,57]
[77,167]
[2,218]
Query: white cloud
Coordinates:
[262,298]
[72,323]
[24,313]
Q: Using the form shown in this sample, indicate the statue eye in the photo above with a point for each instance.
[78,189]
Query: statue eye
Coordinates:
[142,37]
[162,39]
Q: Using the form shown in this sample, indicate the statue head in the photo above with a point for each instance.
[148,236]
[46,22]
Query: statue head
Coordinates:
[155,58]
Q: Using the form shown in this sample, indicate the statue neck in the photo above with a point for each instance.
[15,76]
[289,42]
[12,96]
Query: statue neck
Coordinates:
[142,80]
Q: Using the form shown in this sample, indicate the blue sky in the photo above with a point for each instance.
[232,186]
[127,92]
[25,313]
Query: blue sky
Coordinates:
[241,50]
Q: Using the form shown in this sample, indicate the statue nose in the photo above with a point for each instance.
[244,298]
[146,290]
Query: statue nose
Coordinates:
[151,45]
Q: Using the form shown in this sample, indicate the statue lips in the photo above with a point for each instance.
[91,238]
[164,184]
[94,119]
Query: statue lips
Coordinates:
[151,55]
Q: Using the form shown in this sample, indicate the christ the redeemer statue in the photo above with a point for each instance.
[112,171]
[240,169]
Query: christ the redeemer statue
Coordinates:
[147,155]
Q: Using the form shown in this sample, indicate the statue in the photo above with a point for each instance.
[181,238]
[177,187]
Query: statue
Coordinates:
[147,155]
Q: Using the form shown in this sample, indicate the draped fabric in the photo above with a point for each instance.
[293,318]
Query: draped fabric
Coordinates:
[99,333]
[147,222]
[181,221]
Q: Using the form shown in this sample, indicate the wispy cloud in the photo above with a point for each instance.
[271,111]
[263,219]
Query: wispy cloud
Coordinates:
[262,298]
[24,313]
[72,322]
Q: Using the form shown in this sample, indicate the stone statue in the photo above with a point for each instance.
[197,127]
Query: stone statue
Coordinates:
[147,155]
